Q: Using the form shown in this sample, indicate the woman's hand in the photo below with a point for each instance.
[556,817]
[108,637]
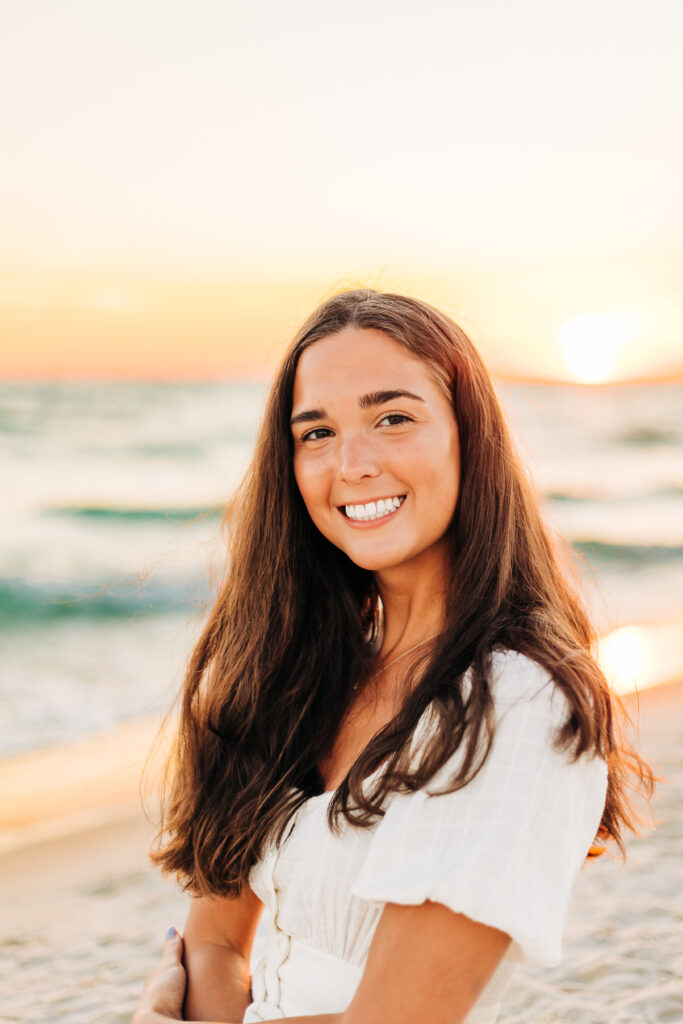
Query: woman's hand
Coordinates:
[164,991]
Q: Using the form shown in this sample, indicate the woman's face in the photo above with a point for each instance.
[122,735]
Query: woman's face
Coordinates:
[376,455]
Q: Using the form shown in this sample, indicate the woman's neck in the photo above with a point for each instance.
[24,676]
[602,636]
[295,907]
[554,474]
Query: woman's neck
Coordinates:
[414,600]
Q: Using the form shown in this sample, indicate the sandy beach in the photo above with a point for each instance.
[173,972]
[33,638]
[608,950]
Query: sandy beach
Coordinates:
[84,914]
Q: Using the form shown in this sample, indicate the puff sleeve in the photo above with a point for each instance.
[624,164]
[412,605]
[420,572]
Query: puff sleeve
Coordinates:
[506,848]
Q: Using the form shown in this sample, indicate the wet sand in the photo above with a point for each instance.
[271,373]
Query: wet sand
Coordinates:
[83,913]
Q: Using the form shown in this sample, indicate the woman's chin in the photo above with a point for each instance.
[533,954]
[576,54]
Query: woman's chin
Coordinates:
[378,561]
[385,558]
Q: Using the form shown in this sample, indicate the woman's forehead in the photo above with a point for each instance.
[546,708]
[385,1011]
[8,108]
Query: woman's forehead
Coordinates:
[358,361]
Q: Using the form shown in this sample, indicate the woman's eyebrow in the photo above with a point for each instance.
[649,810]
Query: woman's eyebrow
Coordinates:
[381,397]
[308,416]
[368,401]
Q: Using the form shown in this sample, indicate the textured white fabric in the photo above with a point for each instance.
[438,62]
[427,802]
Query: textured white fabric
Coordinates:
[504,850]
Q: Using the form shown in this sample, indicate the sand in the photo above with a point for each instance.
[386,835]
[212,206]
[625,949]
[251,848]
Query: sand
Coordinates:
[83,914]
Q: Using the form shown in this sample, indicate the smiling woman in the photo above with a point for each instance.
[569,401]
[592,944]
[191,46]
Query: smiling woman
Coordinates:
[393,734]
[377,462]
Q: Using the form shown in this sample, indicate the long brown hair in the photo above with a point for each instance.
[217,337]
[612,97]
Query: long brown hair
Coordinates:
[271,676]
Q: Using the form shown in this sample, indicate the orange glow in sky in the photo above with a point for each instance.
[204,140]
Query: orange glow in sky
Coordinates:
[179,192]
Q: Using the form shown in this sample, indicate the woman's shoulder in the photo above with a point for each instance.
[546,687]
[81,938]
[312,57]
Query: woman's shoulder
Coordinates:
[515,675]
[529,708]
[526,754]
[516,679]
[504,846]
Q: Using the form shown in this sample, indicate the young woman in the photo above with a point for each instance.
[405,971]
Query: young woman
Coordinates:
[394,735]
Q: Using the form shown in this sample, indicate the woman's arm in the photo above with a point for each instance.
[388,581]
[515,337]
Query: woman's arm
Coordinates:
[425,963]
[218,938]
[207,973]
[164,992]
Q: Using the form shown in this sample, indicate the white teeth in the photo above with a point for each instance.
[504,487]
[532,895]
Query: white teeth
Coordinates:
[373,509]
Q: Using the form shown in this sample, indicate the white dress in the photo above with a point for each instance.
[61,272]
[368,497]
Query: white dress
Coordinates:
[504,850]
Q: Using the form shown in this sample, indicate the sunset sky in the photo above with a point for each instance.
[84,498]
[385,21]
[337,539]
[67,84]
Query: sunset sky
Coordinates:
[182,182]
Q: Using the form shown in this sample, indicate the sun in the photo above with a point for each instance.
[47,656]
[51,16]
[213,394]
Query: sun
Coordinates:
[590,343]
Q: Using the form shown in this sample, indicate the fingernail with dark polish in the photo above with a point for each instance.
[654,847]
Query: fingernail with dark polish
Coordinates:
[171,932]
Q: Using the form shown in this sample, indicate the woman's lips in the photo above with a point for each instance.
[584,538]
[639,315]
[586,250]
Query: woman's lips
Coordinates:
[372,512]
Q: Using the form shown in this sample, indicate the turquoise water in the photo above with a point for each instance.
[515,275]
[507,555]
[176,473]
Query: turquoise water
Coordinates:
[110,527]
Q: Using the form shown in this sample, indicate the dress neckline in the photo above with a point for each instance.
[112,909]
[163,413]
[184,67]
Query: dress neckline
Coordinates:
[417,732]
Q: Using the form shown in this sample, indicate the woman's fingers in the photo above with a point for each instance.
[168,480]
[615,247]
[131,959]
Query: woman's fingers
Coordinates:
[173,947]
[164,990]
[170,984]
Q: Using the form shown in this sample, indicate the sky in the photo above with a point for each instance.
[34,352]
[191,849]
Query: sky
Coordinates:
[180,183]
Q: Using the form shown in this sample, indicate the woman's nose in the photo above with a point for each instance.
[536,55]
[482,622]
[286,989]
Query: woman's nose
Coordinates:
[357,458]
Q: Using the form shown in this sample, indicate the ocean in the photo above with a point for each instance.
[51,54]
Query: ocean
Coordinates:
[110,528]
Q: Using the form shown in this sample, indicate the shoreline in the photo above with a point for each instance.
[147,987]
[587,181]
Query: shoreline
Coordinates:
[96,782]
[101,785]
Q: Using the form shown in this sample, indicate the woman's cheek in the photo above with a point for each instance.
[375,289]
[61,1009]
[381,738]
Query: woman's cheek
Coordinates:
[312,487]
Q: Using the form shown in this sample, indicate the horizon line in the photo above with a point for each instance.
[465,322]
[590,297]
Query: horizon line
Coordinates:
[263,376]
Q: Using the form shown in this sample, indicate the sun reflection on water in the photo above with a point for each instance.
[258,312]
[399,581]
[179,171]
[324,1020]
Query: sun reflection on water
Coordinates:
[636,657]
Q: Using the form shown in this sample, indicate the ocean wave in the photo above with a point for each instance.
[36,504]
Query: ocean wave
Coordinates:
[133,514]
[136,596]
[627,555]
[646,436]
[562,496]
[584,495]
[178,450]
[30,602]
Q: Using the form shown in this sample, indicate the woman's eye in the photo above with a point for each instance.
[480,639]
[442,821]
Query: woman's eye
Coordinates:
[393,419]
[317,434]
